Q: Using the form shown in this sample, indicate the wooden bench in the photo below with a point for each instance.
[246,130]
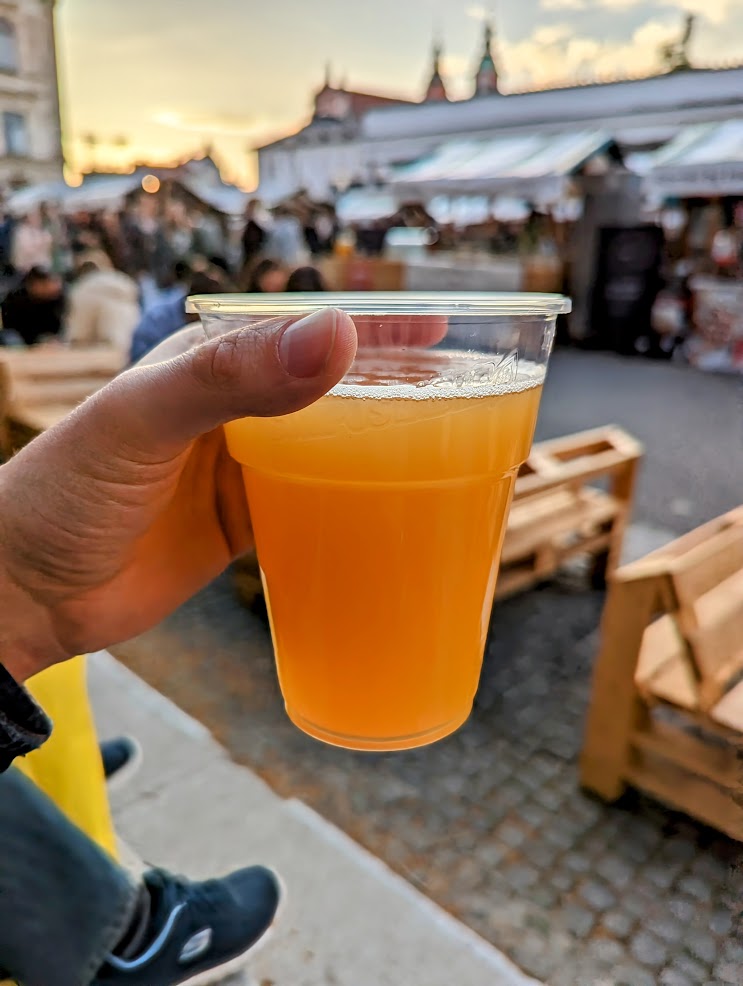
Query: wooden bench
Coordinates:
[556,514]
[45,383]
[666,713]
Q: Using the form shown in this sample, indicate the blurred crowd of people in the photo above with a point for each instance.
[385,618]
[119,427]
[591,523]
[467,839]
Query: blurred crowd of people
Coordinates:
[120,277]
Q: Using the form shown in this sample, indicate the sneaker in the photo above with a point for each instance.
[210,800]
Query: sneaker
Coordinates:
[122,758]
[201,932]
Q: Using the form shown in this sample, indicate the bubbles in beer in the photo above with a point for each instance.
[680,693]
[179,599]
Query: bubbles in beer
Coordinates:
[435,374]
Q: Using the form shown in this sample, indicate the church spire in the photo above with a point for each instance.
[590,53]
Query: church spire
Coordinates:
[436,91]
[486,79]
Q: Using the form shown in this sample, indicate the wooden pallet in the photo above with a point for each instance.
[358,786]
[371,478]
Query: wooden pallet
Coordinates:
[47,382]
[666,712]
[555,515]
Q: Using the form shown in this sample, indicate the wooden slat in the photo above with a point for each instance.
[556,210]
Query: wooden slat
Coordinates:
[660,559]
[547,518]
[718,651]
[57,391]
[42,361]
[662,673]
[39,419]
[715,760]
[705,566]
[577,458]
[682,789]
[729,711]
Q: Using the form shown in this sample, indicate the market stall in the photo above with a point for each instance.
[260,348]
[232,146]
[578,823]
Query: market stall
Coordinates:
[696,183]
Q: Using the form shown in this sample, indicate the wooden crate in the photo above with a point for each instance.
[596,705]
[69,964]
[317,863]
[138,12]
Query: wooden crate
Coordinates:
[555,515]
[666,713]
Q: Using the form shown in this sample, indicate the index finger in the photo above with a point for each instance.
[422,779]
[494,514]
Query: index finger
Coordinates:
[414,331]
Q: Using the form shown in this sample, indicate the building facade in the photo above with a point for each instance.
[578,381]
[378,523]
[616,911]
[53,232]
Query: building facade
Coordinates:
[639,114]
[30,129]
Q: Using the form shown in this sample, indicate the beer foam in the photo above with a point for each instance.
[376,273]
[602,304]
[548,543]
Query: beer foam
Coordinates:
[442,375]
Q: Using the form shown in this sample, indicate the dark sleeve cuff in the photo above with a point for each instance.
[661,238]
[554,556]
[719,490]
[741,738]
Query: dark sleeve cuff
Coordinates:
[23,725]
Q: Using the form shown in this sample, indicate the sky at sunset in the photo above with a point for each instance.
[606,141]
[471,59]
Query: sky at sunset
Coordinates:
[157,81]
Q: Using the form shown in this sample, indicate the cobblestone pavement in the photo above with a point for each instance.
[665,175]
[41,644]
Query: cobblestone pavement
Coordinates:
[490,822]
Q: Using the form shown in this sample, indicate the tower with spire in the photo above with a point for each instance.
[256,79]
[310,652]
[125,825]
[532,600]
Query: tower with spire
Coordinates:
[436,91]
[486,79]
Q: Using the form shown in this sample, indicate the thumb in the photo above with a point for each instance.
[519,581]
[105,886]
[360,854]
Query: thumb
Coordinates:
[266,368]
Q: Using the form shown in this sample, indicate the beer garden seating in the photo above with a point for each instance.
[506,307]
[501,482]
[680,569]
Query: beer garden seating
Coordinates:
[666,713]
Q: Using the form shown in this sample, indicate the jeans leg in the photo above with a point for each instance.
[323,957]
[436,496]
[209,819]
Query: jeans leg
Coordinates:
[64,903]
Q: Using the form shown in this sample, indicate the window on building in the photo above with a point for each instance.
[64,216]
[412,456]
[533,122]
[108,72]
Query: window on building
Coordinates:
[8,46]
[16,134]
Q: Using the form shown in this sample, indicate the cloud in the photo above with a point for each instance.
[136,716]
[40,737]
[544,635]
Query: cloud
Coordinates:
[478,13]
[563,4]
[551,34]
[715,11]
[554,55]
[224,126]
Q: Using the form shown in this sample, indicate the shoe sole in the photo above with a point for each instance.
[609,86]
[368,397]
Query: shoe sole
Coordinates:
[123,776]
[239,963]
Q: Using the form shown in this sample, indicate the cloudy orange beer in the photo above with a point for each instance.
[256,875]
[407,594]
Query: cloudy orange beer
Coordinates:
[379,514]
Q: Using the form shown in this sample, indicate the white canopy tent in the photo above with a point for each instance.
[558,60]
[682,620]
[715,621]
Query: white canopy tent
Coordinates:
[702,160]
[535,166]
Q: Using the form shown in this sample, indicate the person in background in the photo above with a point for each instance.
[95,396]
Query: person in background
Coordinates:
[209,236]
[267,277]
[306,279]
[113,241]
[103,309]
[7,228]
[254,234]
[285,241]
[32,244]
[54,222]
[35,307]
[164,319]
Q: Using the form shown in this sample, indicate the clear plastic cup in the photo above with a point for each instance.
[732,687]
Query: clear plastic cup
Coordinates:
[379,512]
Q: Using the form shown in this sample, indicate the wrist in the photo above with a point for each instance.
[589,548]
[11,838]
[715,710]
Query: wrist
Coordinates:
[26,644]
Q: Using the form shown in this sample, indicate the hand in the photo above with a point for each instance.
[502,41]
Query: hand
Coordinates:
[121,512]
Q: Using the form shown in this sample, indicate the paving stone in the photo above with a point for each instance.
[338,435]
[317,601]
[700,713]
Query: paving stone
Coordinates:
[597,895]
[618,923]
[615,871]
[683,908]
[701,944]
[695,887]
[576,862]
[733,951]
[605,951]
[721,922]
[661,875]
[668,929]
[648,950]
[531,956]
[578,919]
[690,967]
[511,835]
[533,813]
[728,973]
[542,895]
[520,876]
[562,881]
[627,974]
[541,854]
[672,977]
